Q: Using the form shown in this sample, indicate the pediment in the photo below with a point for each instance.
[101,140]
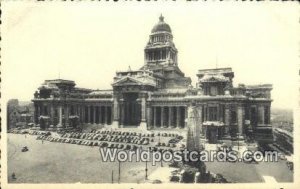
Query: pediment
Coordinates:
[127,81]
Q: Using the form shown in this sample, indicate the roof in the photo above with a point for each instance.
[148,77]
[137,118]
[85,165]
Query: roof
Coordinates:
[57,81]
[101,92]
[172,91]
[215,71]
[161,26]
[261,86]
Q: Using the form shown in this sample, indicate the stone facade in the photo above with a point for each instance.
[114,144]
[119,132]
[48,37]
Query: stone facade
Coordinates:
[158,95]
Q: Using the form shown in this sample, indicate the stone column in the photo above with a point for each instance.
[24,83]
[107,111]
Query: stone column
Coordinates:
[154,116]
[89,114]
[83,113]
[94,114]
[161,116]
[143,124]
[52,114]
[178,116]
[36,119]
[149,116]
[186,116]
[240,112]
[105,115]
[261,114]
[205,113]
[100,114]
[170,117]
[122,113]
[227,119]
[143,109]
[111,115]
[60,116]
[79,113]
[66,116]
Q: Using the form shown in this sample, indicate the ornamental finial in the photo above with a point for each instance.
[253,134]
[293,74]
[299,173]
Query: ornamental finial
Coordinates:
[161,18]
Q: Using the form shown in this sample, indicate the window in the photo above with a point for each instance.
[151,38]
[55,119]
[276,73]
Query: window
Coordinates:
[212,113]
[267,115]
[233,116]
[213,90]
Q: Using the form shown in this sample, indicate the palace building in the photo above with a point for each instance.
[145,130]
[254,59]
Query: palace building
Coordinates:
[158,96]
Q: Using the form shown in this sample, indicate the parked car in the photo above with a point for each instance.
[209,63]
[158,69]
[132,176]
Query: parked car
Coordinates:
[25,149]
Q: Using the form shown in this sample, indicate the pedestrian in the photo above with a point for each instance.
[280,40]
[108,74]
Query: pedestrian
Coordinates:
[13,176]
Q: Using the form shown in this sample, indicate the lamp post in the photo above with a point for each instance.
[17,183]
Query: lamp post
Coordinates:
[119,179]
[146,172]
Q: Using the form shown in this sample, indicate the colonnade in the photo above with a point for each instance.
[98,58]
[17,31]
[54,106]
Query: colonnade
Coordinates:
[98,114]
[167,116]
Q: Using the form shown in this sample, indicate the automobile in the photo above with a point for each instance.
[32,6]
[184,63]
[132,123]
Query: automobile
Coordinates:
[146,142]
[128,147]
[133,147]
[102,144]
[173,141]
[158,144]
[79,142]
[282,156]
[174,178]
[25,149]
[124,147]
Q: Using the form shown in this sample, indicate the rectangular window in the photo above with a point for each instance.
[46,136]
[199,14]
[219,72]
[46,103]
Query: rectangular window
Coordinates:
[213,113]
[46,110]
[267,115]
[213,90]
[233,117]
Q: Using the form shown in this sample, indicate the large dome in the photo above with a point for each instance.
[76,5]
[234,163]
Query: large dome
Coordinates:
[161,26]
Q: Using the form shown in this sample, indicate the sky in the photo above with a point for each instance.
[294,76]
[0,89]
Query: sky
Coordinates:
[89,41]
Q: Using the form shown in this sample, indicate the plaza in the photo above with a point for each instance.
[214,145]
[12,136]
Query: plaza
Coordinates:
[51,162]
